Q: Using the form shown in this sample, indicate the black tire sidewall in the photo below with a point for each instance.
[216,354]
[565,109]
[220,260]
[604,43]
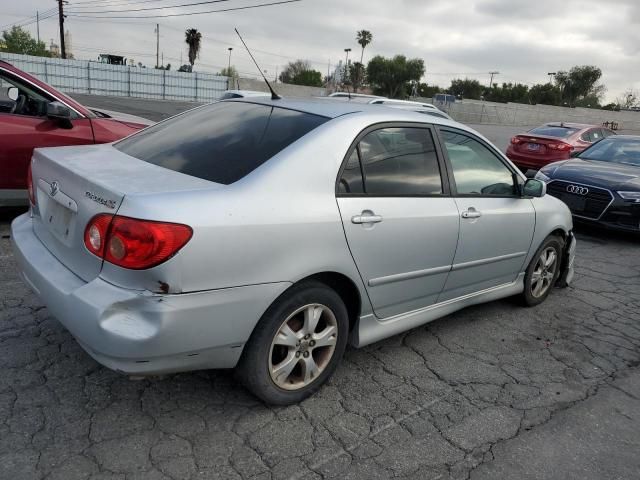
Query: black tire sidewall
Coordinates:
[253,368]
[551,241]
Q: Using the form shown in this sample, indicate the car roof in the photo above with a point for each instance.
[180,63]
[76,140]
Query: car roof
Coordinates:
[331,109]
[353,95]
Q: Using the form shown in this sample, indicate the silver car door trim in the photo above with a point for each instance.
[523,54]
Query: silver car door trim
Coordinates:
[398,277]
[484,261]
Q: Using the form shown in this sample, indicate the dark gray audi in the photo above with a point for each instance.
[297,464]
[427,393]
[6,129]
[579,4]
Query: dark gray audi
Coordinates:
[600,184]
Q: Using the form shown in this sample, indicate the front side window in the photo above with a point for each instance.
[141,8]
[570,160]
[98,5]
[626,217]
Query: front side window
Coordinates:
[476,169]
[29,101]
[221,142]
[400,161]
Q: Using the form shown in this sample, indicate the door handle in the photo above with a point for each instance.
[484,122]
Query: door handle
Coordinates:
[366,218]
[471,213]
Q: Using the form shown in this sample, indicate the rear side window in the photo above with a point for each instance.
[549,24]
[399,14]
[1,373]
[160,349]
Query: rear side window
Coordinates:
[558,132]
[393,162]
[221,142]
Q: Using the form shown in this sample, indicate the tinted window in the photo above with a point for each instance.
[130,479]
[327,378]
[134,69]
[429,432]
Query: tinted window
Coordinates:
[351,180]
[221,142]
[400,161]
[614,149]
[476,170]
[595,135]
[559,132]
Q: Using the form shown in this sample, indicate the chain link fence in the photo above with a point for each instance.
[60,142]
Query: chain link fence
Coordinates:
[94,78]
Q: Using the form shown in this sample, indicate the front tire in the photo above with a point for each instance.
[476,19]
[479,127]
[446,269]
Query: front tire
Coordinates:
[296,346]
[543,271]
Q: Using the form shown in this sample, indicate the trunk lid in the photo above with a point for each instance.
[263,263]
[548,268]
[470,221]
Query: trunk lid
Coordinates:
[540,145]
[73,184]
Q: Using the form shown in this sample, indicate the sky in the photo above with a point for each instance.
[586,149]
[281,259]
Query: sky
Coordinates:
[521,39]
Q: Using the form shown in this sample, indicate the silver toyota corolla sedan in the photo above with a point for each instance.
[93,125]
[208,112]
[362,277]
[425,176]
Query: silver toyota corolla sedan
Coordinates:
[267,235]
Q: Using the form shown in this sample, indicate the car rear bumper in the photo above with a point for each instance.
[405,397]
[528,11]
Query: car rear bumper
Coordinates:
[137,332]
[530,161]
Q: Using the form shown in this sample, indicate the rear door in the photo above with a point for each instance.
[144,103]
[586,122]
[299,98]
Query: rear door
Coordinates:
[496,224]
[400,222]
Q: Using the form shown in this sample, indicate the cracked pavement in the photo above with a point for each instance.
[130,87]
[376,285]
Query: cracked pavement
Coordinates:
[493,391]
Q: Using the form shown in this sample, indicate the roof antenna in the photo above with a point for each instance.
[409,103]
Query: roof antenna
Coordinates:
[274,95]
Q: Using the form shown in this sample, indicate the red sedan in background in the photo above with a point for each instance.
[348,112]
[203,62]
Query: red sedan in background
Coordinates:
[552,142]
[34,114]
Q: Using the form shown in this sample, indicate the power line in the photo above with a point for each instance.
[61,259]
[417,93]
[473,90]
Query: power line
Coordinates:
[190,13]
[29,20]
[157,8]
[92,4]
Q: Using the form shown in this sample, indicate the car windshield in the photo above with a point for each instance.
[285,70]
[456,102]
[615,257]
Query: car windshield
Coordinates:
[616,150]
[221,142]
[553,131]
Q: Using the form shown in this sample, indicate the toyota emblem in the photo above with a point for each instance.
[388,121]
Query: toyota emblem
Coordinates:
[577,189]
[53,189]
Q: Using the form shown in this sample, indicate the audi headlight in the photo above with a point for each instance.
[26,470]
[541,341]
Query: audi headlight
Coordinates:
[633,196]
[541,176]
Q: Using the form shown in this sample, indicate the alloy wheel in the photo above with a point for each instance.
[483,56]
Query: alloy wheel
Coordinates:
[544,272]
[303,346]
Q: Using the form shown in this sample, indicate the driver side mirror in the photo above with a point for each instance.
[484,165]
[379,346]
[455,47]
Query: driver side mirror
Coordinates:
[534,188]
[13,93]
[60,113]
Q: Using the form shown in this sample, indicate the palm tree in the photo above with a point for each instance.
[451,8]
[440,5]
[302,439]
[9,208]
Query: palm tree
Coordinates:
[364,38]
[193,38]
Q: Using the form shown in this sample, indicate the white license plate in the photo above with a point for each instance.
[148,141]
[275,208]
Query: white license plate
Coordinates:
[58,219]
[534,147]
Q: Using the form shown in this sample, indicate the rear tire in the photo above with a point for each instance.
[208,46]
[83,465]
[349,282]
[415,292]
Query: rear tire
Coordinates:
[296,346]
[543,271]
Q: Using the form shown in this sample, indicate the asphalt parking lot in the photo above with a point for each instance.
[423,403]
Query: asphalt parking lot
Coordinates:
[494,391]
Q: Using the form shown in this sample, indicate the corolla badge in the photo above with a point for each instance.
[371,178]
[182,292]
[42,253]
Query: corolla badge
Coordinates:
[53,189]
[577,189]
[100,200]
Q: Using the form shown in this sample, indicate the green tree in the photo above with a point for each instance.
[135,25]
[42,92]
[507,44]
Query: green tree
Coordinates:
[580,82]
[230,72]
[357,74]
[18,40]
[547,94]
[310,78]
[466,88]
[364,38]
[427,91]
[391,76]
[193,39]
[301,73]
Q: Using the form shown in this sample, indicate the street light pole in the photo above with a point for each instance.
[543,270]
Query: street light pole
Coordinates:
[346,64]
[551,75]
[230,50]
[491,81]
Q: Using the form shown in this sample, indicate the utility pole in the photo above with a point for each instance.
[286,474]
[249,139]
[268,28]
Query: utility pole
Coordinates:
[63,52]
[491,81]
[38,24]
[157,45]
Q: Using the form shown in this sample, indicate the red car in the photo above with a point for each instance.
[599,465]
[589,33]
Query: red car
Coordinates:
[552,142]
[34,114]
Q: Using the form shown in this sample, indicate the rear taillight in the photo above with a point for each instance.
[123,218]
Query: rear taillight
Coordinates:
[32,193]
[133,243]
[515,140]
[561,146]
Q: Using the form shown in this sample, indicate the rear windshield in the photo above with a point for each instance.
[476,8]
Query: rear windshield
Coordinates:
[559,132]
[221,142]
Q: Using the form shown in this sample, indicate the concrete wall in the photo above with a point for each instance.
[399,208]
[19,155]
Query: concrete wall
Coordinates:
[516,114]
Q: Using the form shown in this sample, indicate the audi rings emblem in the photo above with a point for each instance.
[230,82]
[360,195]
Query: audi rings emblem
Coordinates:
[577,189]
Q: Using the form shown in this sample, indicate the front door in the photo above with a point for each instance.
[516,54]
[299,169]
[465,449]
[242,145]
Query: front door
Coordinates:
[496,224]
[400,222]
[24,126]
